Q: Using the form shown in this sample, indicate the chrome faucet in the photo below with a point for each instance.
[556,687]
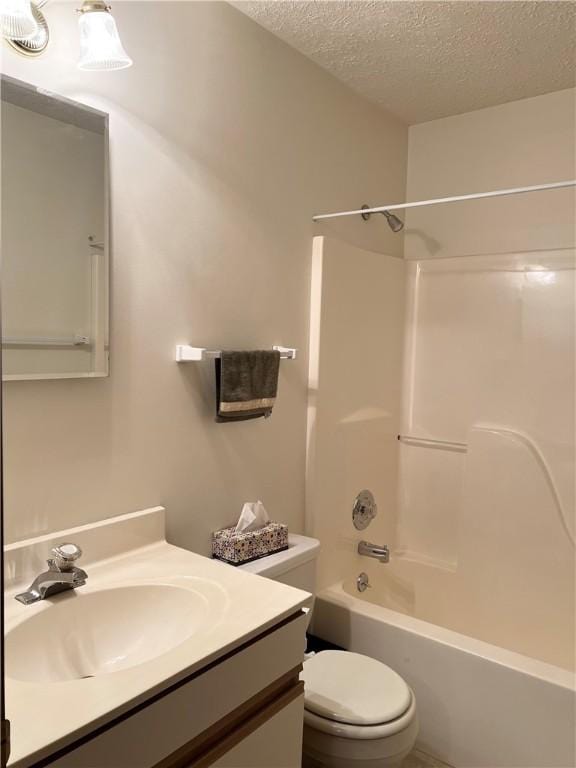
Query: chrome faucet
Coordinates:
[380,553]
[61,575]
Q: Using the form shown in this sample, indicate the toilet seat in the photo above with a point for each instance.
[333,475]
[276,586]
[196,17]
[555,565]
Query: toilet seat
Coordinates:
[361,732]
[355,696]
[353,689]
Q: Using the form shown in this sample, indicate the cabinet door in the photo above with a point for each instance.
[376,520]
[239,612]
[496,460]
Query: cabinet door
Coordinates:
[277,743]
[189,720]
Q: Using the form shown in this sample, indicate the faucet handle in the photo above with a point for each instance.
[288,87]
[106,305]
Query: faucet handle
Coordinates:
[65,555]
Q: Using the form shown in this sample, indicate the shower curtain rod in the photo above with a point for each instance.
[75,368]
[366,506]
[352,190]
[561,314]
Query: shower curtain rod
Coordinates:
[439,200]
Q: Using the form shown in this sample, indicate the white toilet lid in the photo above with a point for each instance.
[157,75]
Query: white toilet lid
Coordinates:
[351,688]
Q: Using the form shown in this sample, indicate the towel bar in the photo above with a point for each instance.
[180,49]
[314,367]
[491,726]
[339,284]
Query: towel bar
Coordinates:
[187,354]
[41,341]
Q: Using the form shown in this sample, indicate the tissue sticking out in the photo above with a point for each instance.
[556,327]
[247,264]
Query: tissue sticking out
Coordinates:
[252,517]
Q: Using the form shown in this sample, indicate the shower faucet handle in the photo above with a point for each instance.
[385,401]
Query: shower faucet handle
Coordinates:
[364,510]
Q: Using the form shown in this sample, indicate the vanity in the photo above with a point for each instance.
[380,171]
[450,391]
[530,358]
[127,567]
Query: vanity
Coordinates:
[163,659]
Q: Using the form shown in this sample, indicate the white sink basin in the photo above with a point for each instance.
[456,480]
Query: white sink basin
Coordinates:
[87,634]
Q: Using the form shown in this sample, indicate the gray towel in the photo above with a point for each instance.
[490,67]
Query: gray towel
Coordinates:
[246,384]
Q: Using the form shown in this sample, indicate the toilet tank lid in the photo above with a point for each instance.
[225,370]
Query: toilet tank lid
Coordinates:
[301,549]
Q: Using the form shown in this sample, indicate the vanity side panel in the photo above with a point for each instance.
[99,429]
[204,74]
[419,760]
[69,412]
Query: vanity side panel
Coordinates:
[151,735]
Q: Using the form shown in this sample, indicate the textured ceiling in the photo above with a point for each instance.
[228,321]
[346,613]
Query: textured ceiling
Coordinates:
[422,60]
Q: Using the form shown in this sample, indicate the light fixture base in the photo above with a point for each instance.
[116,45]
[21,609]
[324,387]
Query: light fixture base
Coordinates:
[94,6]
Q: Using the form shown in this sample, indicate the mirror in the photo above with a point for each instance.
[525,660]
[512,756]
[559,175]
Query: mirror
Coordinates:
[54,236]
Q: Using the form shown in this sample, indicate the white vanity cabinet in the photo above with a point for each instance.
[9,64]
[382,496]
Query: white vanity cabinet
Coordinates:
[163,659]
[243,710]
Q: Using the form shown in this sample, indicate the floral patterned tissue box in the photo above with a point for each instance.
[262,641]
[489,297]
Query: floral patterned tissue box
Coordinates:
[237,548]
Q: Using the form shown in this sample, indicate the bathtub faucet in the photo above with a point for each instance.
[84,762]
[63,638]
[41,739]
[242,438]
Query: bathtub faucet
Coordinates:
[380,553]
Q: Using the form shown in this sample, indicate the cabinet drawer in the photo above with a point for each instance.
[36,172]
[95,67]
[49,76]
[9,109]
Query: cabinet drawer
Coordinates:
[183,713]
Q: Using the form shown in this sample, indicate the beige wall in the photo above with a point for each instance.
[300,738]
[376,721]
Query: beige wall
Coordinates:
[517,144]
[224,143]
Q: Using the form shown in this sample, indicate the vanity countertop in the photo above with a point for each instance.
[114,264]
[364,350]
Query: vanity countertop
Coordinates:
[218,607]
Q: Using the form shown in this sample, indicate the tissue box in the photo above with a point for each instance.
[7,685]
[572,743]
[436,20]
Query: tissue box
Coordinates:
[238,548]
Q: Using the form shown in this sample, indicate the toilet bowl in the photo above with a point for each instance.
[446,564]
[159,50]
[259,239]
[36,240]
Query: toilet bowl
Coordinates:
[358,713]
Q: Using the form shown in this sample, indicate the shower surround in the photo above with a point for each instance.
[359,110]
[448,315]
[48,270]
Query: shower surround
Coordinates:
[475,356]
[476,501]
[485,535]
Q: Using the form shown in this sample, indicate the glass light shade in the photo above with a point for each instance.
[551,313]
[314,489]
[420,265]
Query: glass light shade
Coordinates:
[100,44]
[16,19]
[36,43]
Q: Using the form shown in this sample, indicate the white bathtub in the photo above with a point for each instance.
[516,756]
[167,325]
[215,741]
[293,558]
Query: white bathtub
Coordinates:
[480,706]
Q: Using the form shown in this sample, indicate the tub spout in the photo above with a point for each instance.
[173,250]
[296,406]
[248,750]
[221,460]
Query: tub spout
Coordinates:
[380,553]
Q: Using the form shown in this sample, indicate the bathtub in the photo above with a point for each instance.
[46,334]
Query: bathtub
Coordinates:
[480,706]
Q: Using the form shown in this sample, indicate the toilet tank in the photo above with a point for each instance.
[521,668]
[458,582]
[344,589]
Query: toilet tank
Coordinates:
[296,566]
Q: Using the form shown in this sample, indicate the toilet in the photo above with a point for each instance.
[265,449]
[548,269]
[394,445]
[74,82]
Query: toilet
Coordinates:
[358,713]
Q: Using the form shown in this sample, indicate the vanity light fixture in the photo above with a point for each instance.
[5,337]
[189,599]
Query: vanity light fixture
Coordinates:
[24,27]
[100,44]
[17,20]
[36,43]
